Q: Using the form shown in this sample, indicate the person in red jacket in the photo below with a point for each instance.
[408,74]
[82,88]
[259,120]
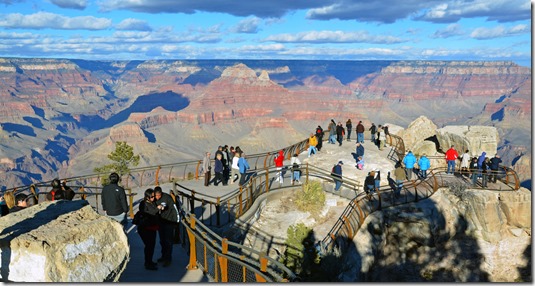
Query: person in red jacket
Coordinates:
[451,157]
[279,162]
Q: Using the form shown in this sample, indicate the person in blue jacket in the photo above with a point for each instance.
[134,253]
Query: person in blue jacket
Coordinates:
[424,165]
[409,162]
[244,166]
[359,150]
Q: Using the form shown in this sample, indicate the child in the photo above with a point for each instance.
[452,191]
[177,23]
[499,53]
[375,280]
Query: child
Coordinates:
[360,163]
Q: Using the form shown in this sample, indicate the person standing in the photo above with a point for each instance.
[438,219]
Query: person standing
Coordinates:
[451,157]
[114,200]
[474,170]
[295,168]
[465,163]
[485,168]
[235,169]
[409,162]
[369,183]
[148,227]
[372,130]
[20,203]
[377,179]
[360,132]
[319,137]
[387,134]
[382,139]
[424,164]
[339,133]
[400,175]
[244,166]
[169,217]
[337,175]
[279,163]
[312,142]
[494,167]
[206,168]
[349,126]
[218,169]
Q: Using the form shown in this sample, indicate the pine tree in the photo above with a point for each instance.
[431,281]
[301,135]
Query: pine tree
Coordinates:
[122,158]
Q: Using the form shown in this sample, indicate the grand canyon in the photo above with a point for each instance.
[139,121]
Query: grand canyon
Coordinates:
[61,117]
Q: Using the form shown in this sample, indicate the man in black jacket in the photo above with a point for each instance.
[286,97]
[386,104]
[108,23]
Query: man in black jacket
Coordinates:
[114,200]
[169,217]
[494,166]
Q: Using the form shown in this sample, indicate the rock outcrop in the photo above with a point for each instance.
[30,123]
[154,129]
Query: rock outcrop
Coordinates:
[476,139]
[62,241]
[419,130]
[456,235]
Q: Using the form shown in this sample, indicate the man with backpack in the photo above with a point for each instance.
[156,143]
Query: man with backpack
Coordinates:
[336,172]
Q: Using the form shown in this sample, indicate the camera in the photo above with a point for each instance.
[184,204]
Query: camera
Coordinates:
[163,204]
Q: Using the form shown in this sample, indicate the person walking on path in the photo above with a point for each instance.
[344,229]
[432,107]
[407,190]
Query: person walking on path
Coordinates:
[148,226]
[360,132]
[279,163]
[424,164]
[296,164]
[114,200]
[332,132]
[369,183]
[244,166]
[349,127]
[206,168]
[235,169]
[337,176]
[218,169]
[312,142]
[169,217]
[409,162]
[465,163]
[451,157]
[373,130]
[494,167]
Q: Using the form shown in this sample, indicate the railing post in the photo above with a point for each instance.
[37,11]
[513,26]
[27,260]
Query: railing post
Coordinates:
[157,174]
[263,268]
[240,201]
[223,260]
[197,170]
[267,180]
[218,213]
[192,203]
[131,200]
[192,245]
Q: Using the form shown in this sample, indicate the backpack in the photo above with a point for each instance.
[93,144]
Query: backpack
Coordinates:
[139,218]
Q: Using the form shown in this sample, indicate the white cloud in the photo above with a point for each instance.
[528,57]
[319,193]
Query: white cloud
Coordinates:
[334,37]
[450,31]
[133,25]
[494,10]
[70,4]
[483,33]
[44,20]
[248,25]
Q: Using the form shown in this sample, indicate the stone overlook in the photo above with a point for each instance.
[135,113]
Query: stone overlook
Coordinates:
[66,108]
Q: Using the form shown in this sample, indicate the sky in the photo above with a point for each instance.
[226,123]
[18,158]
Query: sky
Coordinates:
[482,30]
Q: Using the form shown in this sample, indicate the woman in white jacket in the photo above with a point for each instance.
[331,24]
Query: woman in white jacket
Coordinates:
[235,170]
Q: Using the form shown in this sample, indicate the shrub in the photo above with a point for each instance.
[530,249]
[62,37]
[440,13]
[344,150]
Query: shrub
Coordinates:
[310,198]
[300,254]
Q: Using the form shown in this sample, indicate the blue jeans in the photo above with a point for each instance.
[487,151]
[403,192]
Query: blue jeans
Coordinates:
[312,149]
[377,184]
[451,164]
[423,173]
[297,175]
[373,137]
[332,139]
[337,185]
[371,188]
[474,178]
[399,186]
[360,137]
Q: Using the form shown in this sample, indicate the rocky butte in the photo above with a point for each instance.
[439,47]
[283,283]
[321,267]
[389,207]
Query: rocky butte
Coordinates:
[59,116]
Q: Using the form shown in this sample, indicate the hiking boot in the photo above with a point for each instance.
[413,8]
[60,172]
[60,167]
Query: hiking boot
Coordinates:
[150,266]
[161,259]
[167,263]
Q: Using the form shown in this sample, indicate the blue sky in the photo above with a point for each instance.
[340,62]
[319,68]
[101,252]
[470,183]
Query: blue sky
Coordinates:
[275,29]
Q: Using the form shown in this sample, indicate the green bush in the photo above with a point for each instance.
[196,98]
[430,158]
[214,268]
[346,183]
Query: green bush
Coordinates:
[311,198]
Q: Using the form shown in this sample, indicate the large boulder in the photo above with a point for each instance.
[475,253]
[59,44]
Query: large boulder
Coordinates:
[476,139]
[455,235]
[419,130]
[62,241]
